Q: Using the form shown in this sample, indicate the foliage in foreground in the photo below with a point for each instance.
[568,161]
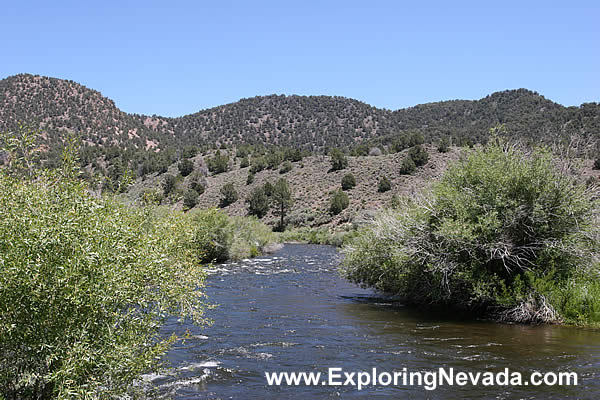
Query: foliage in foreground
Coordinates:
[85,285]
[504,232]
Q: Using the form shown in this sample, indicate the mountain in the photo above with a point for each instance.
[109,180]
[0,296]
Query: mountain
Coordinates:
[57,107]
[312,123]
[317,122]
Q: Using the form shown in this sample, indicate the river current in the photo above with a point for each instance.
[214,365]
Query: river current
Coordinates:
[290,311]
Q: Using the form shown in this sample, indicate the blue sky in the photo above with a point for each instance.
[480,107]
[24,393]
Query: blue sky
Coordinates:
[174,58]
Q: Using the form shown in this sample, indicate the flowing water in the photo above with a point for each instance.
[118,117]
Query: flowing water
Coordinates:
[292,312]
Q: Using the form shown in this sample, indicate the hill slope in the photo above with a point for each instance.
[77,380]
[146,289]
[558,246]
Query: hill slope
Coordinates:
[310,122]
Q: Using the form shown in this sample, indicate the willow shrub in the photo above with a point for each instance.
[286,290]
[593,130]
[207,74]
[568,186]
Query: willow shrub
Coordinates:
[219,238]
[85,284]
[504,232]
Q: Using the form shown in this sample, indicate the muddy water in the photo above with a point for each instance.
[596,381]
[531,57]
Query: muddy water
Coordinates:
[291,312]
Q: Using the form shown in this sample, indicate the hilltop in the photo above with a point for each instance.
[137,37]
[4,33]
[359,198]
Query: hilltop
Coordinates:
[309,122]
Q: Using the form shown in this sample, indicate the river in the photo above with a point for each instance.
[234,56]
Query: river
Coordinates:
[290,311]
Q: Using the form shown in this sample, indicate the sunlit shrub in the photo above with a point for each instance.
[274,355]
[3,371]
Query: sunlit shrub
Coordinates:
[497,225]
[85,284]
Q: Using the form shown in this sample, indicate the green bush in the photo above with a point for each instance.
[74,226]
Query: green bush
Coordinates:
[220,238]
[338,160]
[286,167]
[273,159]
[268,188]
[185,166]
[320,235]
[250,237]
[503,232]
[228,195]
[196,182]
[443,145]
[168,184]
[213,235]
[219,163]
[339,202]
[258,164]
[348,182]
[250,178]
[597,163]
[419,155]
[190,199]
[408,166]
[85,285]
[384,185]
[258,202]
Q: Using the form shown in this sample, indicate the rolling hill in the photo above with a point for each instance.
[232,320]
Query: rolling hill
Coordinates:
[309,122]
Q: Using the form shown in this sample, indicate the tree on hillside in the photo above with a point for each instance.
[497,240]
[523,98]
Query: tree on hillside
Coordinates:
[348,182]
[258,202]
[268,188]
[168,184]
[407,166]
[197,182]
[189,151]
[228,195]
[338,160]
[190,199]
[419,155]
[219,163]
[186,167]
[384,185]
[339,202]
[257,164]
[282,200]
[444,145]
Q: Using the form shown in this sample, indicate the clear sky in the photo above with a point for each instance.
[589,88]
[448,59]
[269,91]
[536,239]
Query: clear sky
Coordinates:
[176,57]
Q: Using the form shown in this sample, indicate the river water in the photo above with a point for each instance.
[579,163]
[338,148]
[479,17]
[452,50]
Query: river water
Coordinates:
[291,312]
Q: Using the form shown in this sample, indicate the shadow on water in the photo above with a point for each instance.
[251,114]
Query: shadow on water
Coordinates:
[292,312]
